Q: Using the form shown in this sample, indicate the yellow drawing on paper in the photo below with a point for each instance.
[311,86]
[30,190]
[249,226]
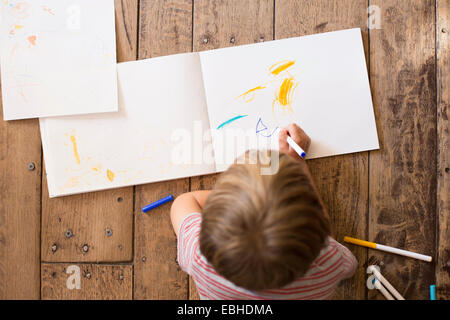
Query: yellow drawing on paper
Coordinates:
[284,95]
[286,85]
[110,175]
[252,92]
[72,182]
[75,149]
[280,66]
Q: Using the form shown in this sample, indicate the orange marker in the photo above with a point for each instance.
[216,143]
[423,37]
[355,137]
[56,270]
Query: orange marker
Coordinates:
[381,247]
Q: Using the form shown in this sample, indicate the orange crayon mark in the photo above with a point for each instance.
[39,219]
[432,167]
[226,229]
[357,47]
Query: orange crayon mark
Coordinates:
[46,9]
[75,149]
[23,96]
[96,168]
[15,27]
[285,93]
[32,40]
[280,66]
[110,175]
[21,10]
[244,95]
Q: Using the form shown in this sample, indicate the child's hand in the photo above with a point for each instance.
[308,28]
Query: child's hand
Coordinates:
[298,135]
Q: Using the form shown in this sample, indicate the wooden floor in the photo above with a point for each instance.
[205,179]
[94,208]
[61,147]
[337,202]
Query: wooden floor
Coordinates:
[395,196]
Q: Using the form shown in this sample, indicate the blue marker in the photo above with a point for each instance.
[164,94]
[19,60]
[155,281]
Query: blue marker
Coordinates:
[157,203]
[296,147]
[433,292]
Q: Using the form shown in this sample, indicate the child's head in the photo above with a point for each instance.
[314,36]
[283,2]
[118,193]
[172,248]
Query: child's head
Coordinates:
[263,231]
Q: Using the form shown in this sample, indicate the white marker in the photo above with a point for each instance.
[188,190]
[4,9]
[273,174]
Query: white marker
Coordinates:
[296,147]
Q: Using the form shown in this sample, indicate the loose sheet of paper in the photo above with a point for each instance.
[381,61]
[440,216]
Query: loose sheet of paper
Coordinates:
[155,135]
[58,57]
[319,82]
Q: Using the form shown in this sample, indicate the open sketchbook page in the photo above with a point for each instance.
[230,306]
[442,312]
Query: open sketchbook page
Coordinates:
[319,82]
[58,57]
[154,136]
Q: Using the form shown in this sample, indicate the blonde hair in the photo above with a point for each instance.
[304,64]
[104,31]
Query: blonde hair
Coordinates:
[263,231]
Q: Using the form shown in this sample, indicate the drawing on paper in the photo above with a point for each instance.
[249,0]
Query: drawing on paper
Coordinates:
[75,148]
[250,94]
[285,87]
[263,130]
[284,95]
[230,120]
[36,46]
[110,175]
[286,84]
[86,169]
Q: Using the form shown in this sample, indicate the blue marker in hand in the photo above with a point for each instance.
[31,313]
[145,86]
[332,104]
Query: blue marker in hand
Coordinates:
[157,203]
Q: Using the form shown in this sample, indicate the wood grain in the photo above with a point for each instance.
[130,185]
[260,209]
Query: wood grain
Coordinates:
[97,282]
[342,181]
[219,24]
[402,188]
[91,227]
[126,29]
[89,216]
[165,28]
[443,201]
[20,192]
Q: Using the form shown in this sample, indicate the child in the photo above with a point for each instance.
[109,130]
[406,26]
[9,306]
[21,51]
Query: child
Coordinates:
[261,236]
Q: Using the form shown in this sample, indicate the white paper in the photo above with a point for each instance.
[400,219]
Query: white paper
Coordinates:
[157,98]
[326,81]
[324,75]
[58,57]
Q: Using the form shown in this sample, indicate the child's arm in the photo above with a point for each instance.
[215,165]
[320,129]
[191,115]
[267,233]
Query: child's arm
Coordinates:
[185,204]
[304,141]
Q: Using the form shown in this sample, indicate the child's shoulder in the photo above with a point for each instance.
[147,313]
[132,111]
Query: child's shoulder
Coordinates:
[333,252]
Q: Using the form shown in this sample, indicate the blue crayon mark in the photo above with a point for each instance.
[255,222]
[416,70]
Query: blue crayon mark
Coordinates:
[229,121]
[259,124]
[260,127]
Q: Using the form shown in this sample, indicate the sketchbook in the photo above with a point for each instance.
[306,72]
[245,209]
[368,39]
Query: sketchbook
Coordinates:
[58,57]
[191,114]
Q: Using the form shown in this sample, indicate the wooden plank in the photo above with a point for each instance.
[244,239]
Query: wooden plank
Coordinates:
[126,29]
[88,217]
[95,226]
[342,181]
[443,201]
[20,192]
[402,177]
[96,282]
[165,28]
[219,24]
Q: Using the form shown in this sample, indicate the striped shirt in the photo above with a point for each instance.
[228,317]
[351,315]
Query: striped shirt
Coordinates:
[334,263]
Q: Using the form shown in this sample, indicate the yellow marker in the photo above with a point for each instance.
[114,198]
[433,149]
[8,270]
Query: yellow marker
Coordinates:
[110,175]
[388,249]
[361,242]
